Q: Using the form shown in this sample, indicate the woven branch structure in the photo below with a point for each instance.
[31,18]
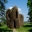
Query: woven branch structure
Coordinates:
[14,19]
[21,19]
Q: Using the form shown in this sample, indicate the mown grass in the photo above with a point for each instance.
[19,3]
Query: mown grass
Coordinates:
[25,28]
[4,28]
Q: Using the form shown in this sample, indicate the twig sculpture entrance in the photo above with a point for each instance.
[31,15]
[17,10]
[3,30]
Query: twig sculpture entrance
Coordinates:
[14,19]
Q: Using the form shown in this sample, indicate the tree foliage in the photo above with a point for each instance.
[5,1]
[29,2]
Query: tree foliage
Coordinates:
[29,4]
[2,9]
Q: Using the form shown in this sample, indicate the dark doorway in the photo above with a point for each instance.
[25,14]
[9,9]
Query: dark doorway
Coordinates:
[9,15]
[16,14]
[14,24]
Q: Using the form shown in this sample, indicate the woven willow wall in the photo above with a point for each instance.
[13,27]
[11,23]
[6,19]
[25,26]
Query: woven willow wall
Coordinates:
[14,19]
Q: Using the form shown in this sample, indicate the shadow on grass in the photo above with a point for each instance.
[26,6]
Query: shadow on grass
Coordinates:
[30,30]
[5,30]
[27,26]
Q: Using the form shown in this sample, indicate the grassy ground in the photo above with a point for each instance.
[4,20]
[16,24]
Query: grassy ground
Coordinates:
[25,28]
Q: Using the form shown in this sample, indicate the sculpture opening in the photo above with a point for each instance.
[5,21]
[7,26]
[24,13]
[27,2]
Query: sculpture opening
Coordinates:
[14,24]
[9,15]
[16,14]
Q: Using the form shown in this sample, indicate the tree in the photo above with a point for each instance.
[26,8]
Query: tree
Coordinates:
[29,4]
[2,9]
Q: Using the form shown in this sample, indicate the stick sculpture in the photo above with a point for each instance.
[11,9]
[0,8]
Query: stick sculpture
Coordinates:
[14,19]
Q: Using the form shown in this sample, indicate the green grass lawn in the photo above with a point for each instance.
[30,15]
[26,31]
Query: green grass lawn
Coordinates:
[21,29]
[4,28]
[24,29]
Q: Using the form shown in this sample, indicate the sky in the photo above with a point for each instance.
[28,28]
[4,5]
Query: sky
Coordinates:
[22,7]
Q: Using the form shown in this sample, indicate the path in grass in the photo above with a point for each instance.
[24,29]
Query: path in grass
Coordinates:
[14,30]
